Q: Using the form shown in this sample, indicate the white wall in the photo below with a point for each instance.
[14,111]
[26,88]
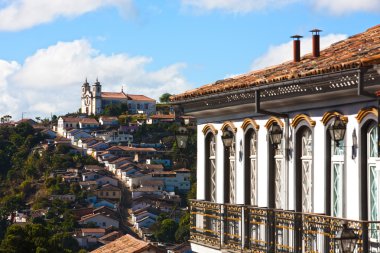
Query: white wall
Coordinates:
[351,194]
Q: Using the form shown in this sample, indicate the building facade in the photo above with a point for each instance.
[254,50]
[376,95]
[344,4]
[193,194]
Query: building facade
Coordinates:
[94,100]
[300,194]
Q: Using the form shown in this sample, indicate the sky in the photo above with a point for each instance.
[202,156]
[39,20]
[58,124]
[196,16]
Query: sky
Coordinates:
[49,47]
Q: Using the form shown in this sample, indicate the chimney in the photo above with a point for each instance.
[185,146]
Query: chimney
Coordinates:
[316,47]
[296,48]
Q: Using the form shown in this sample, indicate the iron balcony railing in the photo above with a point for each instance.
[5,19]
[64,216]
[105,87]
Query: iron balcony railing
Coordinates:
[240,228]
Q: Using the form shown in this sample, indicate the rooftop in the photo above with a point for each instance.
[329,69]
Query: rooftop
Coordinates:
[356,51]
[114,95]
[125,244]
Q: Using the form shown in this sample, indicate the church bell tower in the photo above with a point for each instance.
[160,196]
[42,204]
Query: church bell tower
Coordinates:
[97,101]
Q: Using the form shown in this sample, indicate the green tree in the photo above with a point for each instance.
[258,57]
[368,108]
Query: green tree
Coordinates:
[166,231]
[183,232]
[165,98]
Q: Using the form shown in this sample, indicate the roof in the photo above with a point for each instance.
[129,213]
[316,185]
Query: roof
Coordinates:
[88,121]
[183,170]
[132,149]
[71,119]
[114,95]
[90,216]
[93,230]
[108,187]
[356,51]
[151,166]
[163,116]
[110,237]
[152,182]
[106,118]
[140,98]
[125,244]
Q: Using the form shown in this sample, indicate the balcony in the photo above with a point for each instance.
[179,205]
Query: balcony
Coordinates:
[240,228]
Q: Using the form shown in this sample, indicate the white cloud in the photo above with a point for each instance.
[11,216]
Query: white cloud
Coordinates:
[21,14]
[50,80]
[339,7]
[284,52]
[335,7]
[235,6]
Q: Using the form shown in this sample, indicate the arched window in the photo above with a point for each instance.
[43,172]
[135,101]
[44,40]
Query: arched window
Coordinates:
[276,171]
[229,162]
[373,175]
[304,165]
[210,168]
[335,168]
[250,151]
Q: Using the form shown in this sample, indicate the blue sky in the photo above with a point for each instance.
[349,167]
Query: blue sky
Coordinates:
[152,46]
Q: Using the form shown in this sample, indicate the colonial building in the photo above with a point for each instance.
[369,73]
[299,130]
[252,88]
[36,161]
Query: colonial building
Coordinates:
[287,156]
[94,100]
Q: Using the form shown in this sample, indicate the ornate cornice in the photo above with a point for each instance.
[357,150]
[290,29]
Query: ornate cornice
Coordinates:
[364,112]
[250,122]
[300,117]
[329,115]
[271,120]
[209,128]
[228,124]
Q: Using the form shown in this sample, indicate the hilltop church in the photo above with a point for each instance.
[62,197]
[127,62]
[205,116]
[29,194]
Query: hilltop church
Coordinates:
[94,100]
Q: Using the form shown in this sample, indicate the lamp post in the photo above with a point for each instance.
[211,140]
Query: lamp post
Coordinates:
[275,134]
[181,137]
[346,239]
[337,130]
[227,138]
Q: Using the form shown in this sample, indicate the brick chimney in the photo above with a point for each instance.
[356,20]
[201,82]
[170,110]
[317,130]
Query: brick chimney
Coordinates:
[296,48]
[316,42]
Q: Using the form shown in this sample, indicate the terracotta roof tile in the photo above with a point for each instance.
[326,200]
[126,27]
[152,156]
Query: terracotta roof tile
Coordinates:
[163,116]
[140,98]
[114,95]
[125,244]
[359,50]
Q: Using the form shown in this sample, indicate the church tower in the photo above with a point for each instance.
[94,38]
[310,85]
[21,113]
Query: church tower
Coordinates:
[86,98]
[97,98]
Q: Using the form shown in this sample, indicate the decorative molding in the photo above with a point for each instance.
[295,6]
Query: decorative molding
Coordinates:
[273,119]
[364,112]
[228,124]
[248,122]
[300,117]
[332,114]
[211,128]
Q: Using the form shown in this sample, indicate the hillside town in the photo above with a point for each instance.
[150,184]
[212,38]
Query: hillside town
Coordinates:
[132,183]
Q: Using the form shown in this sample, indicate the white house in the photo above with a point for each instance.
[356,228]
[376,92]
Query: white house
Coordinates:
[100,220]
[115,136]
[270,175]
[66,123]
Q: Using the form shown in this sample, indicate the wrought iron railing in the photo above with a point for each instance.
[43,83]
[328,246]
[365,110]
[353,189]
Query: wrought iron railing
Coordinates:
[239,228]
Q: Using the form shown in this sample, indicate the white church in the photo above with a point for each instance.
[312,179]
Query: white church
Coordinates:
[94,100]
[287,156]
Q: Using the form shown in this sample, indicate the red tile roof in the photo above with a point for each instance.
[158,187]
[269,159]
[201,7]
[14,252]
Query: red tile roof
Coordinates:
[88,121]
[163,116]
[114,95]
[71,119]
[125,244]
[93,230]
[140,98]
[358,50]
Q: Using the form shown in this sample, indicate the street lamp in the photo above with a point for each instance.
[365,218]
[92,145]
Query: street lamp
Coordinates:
[227,138]
[346,239]
[337,130]
[275,134]
[181,137]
